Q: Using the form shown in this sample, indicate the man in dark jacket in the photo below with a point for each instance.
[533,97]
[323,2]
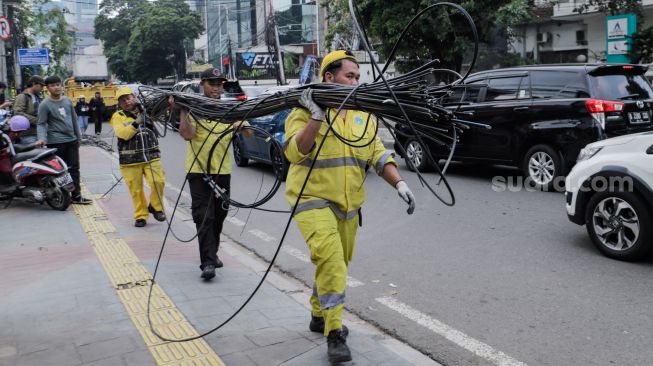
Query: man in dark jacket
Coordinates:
[27,104]
[97,111]
[83,111]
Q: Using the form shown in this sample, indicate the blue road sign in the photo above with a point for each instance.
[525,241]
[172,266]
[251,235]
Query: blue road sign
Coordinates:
[33,56]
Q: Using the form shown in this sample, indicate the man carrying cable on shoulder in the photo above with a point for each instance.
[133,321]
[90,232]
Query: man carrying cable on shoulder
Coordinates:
[139,155]
[328,212]
[208,210]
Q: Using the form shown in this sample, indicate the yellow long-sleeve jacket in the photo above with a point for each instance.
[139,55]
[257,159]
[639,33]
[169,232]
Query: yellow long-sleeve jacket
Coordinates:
[135,144]
[339,172]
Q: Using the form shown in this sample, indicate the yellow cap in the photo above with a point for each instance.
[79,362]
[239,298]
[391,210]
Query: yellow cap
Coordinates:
[123,90]
[333,57]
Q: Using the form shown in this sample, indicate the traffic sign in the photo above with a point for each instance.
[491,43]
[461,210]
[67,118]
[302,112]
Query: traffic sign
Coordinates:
[5,28]
[33,56]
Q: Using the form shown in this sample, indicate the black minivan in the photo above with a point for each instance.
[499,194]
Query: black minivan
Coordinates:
[541,116]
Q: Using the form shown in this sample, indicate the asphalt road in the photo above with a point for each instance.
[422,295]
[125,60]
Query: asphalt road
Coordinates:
[499,278]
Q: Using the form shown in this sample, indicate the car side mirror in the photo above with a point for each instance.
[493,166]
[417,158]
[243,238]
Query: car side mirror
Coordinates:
[650,150]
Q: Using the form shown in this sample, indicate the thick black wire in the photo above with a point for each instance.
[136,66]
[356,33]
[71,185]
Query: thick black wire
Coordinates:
[272,261]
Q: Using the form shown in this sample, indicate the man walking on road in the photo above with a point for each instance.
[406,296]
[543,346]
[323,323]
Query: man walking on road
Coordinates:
[328,211]
[97,111]
[57,126]
[208,211]
[27,104]
[139,155]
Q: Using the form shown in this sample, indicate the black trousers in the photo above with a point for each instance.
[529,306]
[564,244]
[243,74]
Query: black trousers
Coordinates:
[97,117]
[209,213]
[69,152]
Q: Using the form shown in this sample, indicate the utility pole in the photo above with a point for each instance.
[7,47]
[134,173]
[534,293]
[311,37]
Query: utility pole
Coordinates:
[18,78]
[3,53]
[282,73]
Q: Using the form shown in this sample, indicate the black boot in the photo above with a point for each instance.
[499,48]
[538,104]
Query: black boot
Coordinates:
[317,325]
[337,350]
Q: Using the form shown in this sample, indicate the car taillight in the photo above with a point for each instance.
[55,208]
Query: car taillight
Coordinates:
[628,67]
[241,97]
[602,106]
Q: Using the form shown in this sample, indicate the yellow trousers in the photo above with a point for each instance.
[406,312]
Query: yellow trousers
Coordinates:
[155,176]
[331,241]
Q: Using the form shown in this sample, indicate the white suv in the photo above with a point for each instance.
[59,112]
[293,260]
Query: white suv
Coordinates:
[610,191]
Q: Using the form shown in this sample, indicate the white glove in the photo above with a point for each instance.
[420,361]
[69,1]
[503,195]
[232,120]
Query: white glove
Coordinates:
[306,100]
[407,195]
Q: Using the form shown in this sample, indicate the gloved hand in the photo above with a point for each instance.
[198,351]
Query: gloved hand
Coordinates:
[407,195]
[306,100]
[138,122]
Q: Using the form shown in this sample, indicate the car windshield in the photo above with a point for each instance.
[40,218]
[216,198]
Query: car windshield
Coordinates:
[619,87]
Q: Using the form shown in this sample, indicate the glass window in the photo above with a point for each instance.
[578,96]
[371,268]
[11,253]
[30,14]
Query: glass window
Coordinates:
[621,87]
[464,94]
[509,87]
[558,84]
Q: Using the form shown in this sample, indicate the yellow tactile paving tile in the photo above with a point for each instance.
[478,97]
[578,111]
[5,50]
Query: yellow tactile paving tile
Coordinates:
[132,283]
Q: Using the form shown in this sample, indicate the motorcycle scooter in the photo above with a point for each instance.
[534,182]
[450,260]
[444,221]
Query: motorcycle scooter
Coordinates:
[35,174]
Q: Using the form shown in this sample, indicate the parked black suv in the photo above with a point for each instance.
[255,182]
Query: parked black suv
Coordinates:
[542,116]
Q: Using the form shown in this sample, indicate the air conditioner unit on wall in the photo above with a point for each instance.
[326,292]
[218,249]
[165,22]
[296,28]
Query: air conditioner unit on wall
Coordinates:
[543,37]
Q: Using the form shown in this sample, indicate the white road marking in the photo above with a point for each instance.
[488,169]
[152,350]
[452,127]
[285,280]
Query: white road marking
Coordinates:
[352,282]
[461,339]
[297,254]
[235,221]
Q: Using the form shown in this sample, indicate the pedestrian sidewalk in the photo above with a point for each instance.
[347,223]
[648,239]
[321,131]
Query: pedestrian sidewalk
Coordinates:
[75,285]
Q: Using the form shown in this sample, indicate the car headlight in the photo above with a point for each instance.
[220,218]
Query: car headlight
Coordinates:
[587,153]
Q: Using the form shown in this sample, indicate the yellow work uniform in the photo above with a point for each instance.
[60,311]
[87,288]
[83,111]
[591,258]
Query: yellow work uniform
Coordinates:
[209,131]
[327,213]
[139,155]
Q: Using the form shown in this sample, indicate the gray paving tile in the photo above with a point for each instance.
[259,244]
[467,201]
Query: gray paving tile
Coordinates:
[59,355]
[281,352]
[139,358]
[270,336]
[109,361]
[107,348]
[231,342]
[238,359]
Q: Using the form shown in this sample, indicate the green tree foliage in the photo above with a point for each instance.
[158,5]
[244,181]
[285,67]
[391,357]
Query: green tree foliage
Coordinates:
[33,26]
[144,41]
[441,34]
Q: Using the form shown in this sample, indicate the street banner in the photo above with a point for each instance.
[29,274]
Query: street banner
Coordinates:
[33,56]
[5,28]
[619,31]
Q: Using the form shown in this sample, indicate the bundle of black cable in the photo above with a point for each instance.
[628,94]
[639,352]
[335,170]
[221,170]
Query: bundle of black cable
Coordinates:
[412,91]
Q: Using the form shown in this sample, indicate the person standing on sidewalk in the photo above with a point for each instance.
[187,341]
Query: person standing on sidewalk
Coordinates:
[97,111]
[83,110]
[328,212]
[4,103]
[208,211]
[27,104]
[57,127]
[139,155]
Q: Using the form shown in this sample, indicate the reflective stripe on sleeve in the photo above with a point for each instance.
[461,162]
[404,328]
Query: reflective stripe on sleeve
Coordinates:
[335,162]
[382,160]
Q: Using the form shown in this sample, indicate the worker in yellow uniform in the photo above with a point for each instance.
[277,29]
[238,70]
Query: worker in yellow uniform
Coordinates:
[209,211]
[139,156]
[328,210]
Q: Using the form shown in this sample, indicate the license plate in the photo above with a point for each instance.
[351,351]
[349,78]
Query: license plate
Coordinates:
[65,179]
[639,117]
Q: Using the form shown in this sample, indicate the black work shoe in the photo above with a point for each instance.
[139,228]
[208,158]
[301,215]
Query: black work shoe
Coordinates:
[140,223]
[218,263]
[317,325]
[81,201]
[208,272]
[158,215]
[337,350]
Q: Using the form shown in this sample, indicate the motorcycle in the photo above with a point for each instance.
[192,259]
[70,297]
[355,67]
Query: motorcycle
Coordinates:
[26,171]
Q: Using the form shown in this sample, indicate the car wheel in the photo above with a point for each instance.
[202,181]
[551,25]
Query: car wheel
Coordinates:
[619,225]
[279,163]
[541,165]
[239,159]
[416,157]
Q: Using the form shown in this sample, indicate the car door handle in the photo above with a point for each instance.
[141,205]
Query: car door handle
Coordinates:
[520,109]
